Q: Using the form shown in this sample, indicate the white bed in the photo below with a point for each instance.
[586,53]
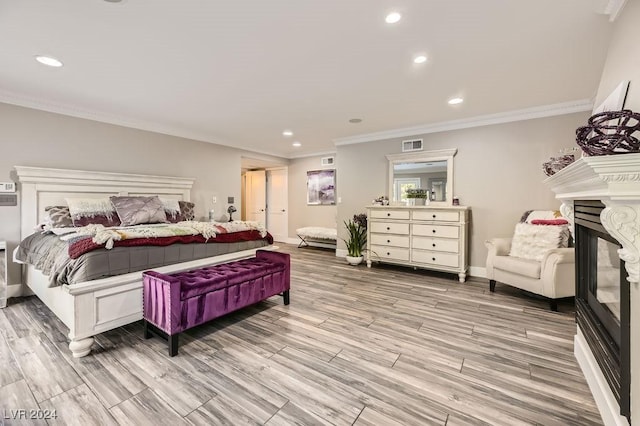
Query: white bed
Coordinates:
[92,307]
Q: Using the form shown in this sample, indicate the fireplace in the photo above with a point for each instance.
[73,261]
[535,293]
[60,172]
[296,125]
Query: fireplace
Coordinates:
[602,299]
[606,219]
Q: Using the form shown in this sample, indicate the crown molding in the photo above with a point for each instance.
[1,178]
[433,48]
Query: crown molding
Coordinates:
[315,154]
[465,123]
[613,8]
[102,117]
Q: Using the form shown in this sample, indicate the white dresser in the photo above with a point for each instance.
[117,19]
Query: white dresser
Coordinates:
[422,236]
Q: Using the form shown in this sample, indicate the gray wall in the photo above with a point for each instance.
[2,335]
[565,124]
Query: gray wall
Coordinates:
[300,214]
[623,57]
[30,137]
[498,173]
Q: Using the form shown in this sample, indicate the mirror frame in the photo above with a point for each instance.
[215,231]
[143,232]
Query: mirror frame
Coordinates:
[425,156]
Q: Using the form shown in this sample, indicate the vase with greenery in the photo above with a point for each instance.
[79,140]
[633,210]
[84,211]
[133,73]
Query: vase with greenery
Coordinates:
[357,241]
[417,196]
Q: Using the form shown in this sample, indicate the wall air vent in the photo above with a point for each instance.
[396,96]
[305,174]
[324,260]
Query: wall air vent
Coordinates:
[412,145]
[327,161]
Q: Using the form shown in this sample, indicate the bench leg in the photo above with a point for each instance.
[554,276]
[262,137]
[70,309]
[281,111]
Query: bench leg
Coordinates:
[303,242]
[173,345]
[492,286]
[145,328]
[285,296]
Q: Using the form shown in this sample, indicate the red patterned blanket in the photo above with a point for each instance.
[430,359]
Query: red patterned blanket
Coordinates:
[82,245]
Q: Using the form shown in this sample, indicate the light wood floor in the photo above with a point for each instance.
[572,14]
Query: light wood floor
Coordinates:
[385,346]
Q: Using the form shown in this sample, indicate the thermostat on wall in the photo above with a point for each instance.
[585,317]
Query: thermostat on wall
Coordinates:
[7,187]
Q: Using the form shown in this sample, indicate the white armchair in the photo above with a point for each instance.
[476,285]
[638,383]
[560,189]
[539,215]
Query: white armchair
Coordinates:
[552,277]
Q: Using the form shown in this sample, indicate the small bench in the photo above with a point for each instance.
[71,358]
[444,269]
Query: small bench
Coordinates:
[318,236]
[177,302]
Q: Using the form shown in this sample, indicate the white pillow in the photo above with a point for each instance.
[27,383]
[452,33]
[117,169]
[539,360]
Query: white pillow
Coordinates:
[533,241]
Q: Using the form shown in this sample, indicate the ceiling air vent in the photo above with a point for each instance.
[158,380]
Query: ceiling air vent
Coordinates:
[327,161]
[412,145]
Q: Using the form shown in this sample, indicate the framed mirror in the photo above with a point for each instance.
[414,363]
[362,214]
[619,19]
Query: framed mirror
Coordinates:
[428,170]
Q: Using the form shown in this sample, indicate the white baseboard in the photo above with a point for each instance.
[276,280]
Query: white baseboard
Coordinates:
[14,290]
[290,240]
[341,253]
[605,400]
[478,271]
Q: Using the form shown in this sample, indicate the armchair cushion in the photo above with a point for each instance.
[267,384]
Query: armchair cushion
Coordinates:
[533,241]
[526,267]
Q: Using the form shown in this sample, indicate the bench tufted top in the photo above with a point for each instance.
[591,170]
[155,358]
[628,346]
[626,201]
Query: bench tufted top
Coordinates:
[208,279]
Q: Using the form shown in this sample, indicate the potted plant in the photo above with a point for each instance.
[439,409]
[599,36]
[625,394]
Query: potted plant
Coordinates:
[357,229]
[417,196]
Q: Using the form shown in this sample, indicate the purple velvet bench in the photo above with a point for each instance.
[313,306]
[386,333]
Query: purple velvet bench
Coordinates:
[177,302]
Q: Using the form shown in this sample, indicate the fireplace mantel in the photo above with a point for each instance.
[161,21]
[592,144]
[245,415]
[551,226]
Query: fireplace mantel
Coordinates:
[614,180]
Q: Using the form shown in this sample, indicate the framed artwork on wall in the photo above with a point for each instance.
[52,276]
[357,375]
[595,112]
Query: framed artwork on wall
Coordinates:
[321,187]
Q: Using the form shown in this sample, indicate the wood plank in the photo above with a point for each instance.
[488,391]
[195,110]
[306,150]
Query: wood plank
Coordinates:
[78,406]
[356,346]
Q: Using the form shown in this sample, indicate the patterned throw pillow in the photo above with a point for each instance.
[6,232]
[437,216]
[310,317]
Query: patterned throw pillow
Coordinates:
[86,211]
[139,210]
[59,217]
[172,210]
[187,210]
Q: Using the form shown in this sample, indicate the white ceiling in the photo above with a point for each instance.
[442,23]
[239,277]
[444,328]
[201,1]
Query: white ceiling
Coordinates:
[240,72]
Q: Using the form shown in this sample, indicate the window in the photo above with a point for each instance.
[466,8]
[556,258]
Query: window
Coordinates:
[400,186]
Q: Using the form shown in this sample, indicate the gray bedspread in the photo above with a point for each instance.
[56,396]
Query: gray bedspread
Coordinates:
[50,255]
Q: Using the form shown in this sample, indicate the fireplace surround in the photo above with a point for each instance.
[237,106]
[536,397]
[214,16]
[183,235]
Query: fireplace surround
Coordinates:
[609,185]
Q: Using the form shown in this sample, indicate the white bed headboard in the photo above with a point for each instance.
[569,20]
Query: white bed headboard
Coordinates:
[41,187]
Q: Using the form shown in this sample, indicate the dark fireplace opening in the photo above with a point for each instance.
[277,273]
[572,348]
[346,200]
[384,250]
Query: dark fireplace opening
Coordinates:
[602,299]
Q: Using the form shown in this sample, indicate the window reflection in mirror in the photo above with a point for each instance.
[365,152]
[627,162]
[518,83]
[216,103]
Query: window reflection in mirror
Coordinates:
[430,175]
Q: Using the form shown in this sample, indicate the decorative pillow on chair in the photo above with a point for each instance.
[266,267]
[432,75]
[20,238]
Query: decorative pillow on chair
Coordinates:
[85,211]
[533,241]
[139,210]
[59,217]
[542,215]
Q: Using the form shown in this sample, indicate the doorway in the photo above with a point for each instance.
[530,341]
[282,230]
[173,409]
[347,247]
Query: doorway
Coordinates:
[265,199]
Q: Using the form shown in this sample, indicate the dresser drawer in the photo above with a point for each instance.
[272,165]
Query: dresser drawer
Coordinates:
[437,215]
[390,228]
[436,244]
[390,240]
[390,214]
[442,231]
[435,258]
[392,253]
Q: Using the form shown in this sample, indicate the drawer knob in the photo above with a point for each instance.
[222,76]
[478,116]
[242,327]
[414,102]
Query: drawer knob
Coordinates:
[388,254]
[388,229]
[388,241]
[433,258]
[388,214]
[434,231]
[434,216]
[434,244]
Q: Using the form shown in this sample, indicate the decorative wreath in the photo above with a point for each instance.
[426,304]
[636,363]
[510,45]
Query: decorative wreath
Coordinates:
[609,133]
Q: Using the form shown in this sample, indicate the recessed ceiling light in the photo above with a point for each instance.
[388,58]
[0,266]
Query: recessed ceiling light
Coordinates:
[392,18]
[455,101]
[113,1]
[287,133]
[297,144]
[355,120]
[48,60]
[420,59]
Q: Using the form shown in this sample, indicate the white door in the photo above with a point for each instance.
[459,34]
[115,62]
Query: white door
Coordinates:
[278,204]
[256,188]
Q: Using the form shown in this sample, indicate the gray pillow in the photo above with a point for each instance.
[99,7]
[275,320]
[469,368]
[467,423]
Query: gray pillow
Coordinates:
[139,210]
